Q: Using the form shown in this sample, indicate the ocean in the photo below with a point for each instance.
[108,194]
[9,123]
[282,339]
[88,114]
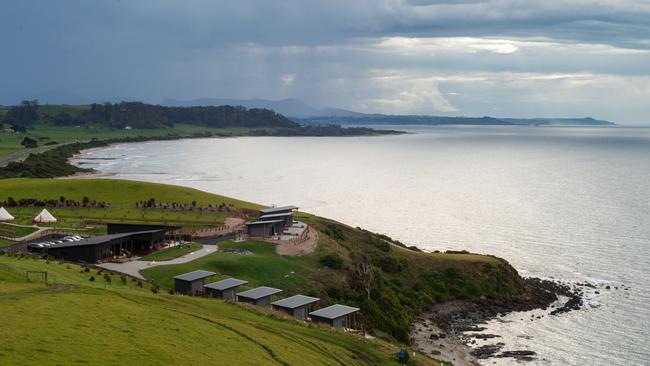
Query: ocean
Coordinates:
[570,203]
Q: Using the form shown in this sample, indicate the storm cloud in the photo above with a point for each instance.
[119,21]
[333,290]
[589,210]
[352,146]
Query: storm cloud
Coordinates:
[501,58]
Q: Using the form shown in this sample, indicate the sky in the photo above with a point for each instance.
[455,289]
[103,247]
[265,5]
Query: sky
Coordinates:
[503,58]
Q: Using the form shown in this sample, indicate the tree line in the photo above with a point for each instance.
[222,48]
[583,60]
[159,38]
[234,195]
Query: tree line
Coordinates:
[145,116]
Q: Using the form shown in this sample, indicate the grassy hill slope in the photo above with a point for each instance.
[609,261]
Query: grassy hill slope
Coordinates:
[121,194]
[108,323]
[392,284]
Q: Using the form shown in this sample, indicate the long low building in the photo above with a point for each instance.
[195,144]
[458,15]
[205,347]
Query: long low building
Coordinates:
[106,247]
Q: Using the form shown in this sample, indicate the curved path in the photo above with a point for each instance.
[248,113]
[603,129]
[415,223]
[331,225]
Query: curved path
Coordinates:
[133,268]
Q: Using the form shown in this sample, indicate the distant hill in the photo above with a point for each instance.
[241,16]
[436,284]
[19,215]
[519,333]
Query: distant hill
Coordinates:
[379,119]
[287,107]
[306,114]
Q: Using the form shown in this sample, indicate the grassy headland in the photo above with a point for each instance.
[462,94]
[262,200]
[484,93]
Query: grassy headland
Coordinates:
[392,284]
[111,319]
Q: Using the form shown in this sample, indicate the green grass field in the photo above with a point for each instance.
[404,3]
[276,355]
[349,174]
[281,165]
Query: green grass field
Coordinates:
[85,323]
[265,267]
[173,252]
[63,134]
[121,194]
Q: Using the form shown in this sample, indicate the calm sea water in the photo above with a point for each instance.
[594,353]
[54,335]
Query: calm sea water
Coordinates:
[569,203]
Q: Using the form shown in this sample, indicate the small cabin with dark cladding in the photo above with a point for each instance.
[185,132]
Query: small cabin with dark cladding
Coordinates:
[260,296]
[224,289]
[336,315]
[265,228]
[191,283]
[296,306]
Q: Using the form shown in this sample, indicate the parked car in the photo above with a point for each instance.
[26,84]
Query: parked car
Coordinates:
[36,247]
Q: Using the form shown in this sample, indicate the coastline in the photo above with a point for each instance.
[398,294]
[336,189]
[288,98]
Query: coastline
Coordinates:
[74,161]
[455,330]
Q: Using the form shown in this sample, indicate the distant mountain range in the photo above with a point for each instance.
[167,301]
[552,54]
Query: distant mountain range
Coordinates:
[444,120]
[306,114]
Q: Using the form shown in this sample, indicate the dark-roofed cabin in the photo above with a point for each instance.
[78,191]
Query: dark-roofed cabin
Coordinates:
[296,306]
[224,289]
[336,316]
[260,296]
[107,247]
[265,228]
[277,210]
[191,283]
[286,217]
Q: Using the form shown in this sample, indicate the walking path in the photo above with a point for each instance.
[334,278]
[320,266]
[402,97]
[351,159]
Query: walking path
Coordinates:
[133,268]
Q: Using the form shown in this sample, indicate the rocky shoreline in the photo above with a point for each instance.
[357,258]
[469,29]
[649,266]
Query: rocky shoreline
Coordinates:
[455,325]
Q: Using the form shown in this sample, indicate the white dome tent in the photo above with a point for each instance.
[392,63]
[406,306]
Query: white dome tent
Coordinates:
[44,217]
[5,215]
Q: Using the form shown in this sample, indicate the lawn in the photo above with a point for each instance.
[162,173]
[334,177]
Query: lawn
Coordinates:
[121,195]
[265,267]
[87,324]
[15,231]
[173,252]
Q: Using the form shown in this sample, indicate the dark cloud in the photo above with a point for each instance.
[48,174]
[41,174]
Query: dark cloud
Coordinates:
[337,53]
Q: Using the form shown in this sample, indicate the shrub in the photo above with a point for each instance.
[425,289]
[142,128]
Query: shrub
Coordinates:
[107,277]
[154,288]
[2,252]
[123,279]
[391,264]
[332,260]
[29,142]
[86,269]
[334,292]
[171,291]
[92,279]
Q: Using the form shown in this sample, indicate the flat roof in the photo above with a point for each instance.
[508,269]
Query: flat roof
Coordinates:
[295,301]
[276,215]
[334,311]
[194,275]
[95,240]
[259,292]
[226,284]
[277,209]
[264,222]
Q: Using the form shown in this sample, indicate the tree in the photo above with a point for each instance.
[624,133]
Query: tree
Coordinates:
[23,115]
[361,274]
[29,142]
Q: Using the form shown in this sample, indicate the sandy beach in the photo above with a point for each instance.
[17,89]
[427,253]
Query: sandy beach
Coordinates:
[432,340]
